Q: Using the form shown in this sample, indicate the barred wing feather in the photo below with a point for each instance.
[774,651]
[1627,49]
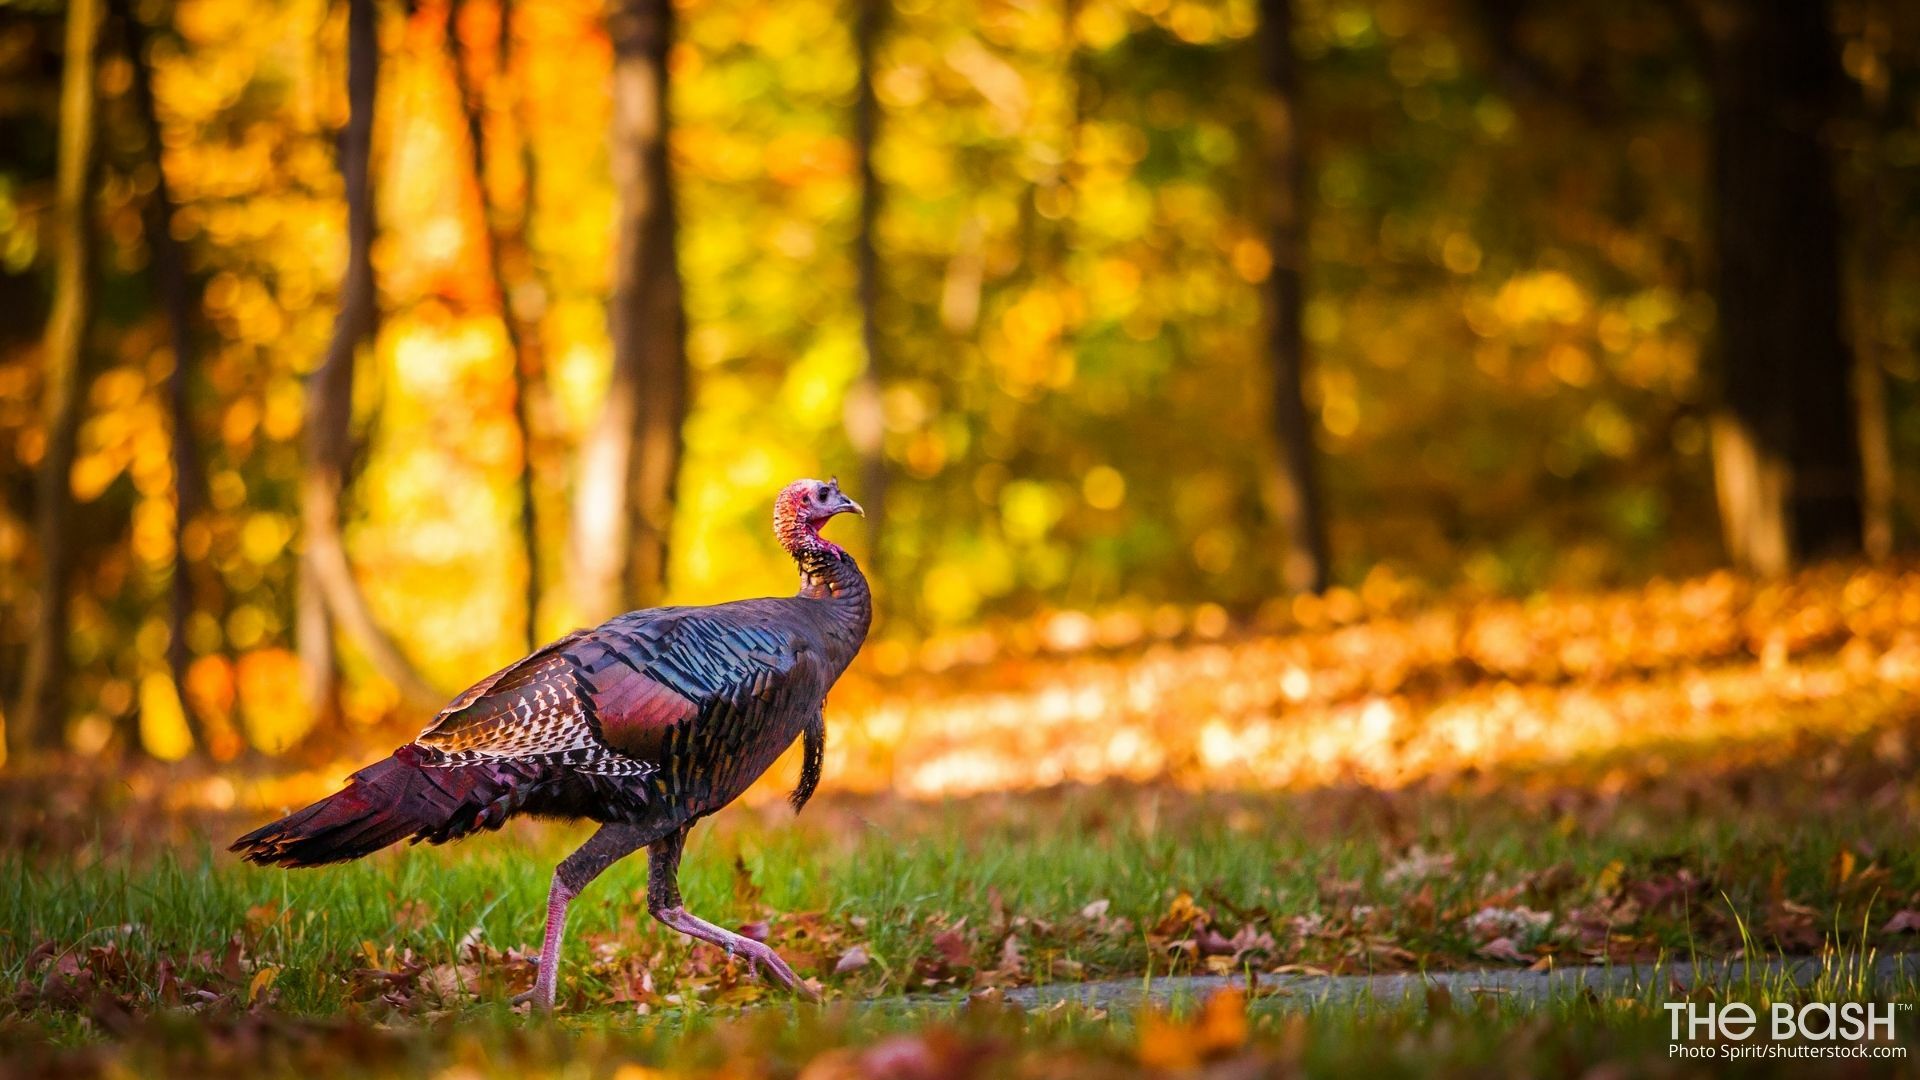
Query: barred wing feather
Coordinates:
[610,700]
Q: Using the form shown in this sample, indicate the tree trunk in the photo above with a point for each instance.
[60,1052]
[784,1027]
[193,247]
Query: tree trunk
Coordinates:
[1878,481]
[1292,487]
[506,240]
[39,721]
[328,591]
[1873,203]
[1786,445]
[866,417]
[175,289]
[630,462]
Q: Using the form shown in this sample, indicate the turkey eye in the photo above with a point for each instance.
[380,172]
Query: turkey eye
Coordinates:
[820,494]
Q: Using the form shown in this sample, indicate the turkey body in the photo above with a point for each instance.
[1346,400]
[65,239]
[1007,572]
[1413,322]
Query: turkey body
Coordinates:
[643,724]
[665,715]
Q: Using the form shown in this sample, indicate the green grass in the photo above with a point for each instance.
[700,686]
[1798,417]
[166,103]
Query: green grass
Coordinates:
[907,873]
[1678,869]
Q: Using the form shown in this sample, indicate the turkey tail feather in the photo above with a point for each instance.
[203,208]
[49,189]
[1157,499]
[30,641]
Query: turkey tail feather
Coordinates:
[384,803]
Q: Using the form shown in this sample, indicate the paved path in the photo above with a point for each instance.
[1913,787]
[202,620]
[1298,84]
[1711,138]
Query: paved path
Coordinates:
[1512,984]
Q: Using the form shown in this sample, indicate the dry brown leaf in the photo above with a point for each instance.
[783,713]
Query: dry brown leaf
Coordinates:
[1504,949]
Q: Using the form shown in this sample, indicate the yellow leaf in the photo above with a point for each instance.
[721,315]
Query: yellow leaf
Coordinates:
[1609,878]
[262,981]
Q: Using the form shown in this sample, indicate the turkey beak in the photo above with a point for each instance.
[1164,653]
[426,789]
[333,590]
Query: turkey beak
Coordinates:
[848,505]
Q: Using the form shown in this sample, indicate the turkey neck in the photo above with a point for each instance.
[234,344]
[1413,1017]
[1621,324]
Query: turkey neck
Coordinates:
[829,576]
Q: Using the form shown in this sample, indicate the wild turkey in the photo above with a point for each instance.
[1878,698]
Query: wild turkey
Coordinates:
[645,724]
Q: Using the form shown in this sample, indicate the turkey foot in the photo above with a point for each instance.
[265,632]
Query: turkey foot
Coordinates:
[758,955]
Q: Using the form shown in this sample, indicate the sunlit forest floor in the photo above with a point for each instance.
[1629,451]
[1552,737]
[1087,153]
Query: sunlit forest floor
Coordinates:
[1708,768]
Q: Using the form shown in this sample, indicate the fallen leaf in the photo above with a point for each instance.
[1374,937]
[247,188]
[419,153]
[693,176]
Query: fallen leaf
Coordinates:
[852,960]
[230,961]
[1011,961]
[1210,942]
[1219,1028]
[1503,949]
[1843,864]
[261,982]
[953,948]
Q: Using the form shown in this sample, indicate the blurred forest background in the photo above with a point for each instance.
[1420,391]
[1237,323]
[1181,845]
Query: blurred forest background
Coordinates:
[349,347]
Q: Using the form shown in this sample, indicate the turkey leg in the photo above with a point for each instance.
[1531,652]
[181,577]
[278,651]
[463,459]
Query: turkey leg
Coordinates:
[604,848]
[663,902]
